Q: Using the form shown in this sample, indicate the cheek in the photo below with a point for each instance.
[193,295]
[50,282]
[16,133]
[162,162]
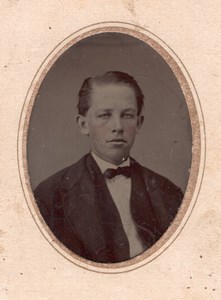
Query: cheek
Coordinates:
[98,133]
[130,130]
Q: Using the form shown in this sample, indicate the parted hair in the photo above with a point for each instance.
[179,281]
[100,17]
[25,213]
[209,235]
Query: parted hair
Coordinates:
[84,95]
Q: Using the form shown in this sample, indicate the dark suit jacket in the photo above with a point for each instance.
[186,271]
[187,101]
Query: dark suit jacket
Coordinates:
[77,206]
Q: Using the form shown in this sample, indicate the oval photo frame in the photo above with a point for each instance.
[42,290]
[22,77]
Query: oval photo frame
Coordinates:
[197,130]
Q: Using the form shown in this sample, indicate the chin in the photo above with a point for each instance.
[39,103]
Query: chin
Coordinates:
[118,159]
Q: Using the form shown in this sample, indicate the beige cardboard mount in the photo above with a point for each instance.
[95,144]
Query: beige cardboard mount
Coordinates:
[186,264]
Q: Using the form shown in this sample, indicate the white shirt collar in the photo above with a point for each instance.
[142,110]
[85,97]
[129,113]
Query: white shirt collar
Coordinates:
[104,165]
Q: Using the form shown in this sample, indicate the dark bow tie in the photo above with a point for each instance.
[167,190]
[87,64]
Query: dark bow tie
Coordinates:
[110,173]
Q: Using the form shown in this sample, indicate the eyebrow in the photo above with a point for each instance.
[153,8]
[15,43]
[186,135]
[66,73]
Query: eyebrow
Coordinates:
[129,109]
[110,110]
[104,109]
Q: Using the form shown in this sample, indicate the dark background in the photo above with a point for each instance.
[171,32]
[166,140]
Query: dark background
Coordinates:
[163,144]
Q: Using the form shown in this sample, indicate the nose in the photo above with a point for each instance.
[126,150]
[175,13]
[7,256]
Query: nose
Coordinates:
[117,124]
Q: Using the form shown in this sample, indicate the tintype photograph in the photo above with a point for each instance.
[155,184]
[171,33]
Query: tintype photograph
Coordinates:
[109,147]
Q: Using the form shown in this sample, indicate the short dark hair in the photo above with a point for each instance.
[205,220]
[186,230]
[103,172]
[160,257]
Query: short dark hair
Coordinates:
[108,77]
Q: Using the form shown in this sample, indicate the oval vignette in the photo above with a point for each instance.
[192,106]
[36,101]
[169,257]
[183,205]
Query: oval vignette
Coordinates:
[48,135]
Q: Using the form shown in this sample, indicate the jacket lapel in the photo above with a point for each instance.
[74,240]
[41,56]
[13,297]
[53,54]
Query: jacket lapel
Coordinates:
[92,214]
[116,240]
[142,209]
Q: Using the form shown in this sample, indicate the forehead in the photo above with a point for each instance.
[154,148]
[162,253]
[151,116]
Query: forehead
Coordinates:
[112,94]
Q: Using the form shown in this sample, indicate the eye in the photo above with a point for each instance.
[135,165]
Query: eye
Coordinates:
[128,116]
[104,115]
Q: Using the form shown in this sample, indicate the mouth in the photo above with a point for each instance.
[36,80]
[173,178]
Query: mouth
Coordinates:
[117,141]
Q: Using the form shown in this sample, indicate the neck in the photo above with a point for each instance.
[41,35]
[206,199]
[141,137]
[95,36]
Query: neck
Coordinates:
[116,162]
[104,164]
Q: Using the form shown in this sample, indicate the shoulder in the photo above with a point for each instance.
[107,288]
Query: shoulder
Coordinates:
[160,188]
[153,179]
[61,179]
[157,181]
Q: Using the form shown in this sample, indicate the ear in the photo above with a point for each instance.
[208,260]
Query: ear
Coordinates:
[82,124]
[140,120]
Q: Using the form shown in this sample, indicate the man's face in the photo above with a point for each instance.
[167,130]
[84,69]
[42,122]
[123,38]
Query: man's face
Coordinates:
[111,121]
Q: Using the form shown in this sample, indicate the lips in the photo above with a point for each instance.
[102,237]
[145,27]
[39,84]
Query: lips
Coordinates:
[117,141]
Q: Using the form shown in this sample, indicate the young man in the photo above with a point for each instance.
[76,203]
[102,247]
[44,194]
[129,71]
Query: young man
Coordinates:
[107,207]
